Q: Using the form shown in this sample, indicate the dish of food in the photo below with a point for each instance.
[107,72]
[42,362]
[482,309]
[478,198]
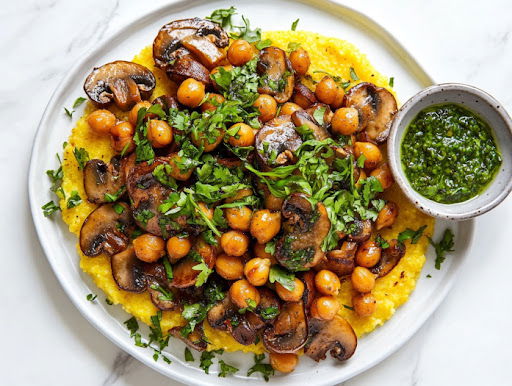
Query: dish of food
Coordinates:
[230,191]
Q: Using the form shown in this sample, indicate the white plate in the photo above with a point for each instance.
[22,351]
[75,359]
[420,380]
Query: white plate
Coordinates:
[325,17]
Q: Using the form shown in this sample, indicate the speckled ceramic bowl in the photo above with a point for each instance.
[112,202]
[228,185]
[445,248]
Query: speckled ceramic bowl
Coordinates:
[491,111]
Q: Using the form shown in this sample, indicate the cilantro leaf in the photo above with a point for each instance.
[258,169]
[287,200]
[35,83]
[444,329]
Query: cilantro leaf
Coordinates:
[222,16]
[283,277]
[391,82]
[74,200]
[81,156]
[91,297]
[442,247]
[318,114]
[188,355]
[50,208]
[269,312]
[381,242]
[206,360]
[410,234]
[226,369]
[294,25]
[264,368]
[78,102]
[246,33]
[353,74]
[263,44]
[203,275]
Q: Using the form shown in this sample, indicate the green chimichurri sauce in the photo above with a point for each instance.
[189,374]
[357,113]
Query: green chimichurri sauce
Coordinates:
[449,154]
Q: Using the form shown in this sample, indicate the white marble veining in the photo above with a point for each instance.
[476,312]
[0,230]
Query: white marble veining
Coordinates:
[45,341]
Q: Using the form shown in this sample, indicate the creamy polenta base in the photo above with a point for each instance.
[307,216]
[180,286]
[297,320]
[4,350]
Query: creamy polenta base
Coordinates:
[332,55]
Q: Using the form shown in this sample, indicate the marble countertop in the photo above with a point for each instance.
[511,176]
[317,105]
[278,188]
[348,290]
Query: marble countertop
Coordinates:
[45,341]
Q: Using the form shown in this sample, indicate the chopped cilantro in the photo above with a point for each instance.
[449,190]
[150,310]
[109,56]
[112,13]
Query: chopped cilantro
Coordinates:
[205,271]
[226,369]
[188,355]
[269,312]
[168,269]
[165,295]
[391,82]
[410,234]
[78,102]
[74,200]
[283,277]
[108,301]
[223,16]
[442,247]
[50,208]
[318,114]
[264,368]
[143,215]
[263,44]
[114,197]
[251,306]
[381,242]
[353,74]
[91,297]
[118,208]
[270,247]
[294,25]
[81,156]
[360,161]
[429,276]
[348,307]
[246,33]
[292,46]
[206,360]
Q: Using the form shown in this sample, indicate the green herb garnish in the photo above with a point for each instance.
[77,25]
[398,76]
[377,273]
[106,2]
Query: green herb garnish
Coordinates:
[294,25]
[74,200]
[264,368]
[226,369]
[442,247]
[91,297]
[188,355]
[50,208]
[81,156]
[283,277]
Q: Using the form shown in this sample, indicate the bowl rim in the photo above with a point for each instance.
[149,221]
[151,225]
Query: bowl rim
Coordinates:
[394,142]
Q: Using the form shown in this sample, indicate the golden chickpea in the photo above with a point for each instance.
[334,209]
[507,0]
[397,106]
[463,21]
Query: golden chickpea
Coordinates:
[159,133]
[345,121]
[300,61]
[289,108]
[284,363]
[325,307]
[234,243]
[123,145]
[327,282]
[241,291]
[267,106]
[326,90]
[257,270]
[259,251]
[272,202]
[240,52]
[265,225]
[175,162]
[206,143]
[387,215]
[191,92]
[338,100]
[229,267]
[148,247]
[134,112]
[243,137]
[368,254]
[362,279]
[122,137]
[291,296]
[122,129]
[239,218]
[178,247]
[364,304]
[101,121]
[383,174]
[242,193]
[213,101]
[370,151]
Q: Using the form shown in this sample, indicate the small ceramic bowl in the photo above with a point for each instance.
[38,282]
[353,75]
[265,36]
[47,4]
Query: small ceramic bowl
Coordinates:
[489,110]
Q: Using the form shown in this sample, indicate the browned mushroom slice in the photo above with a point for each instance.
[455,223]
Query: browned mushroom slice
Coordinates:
[205,50]
[289,332]
[243,332]
[166,102]
[220,314]
[376,107]
[276,142]
[303,96]
[102,182]
[184,274]
[308,278]
[267,310]
[302,118]
[304,228]
[340,261]
[195,339]
[389,258]
[322,114]
[163,297]
[105,230]
[362,231]
[128,271]
[124,83]
[336,335]
[187,67]
[171,35]
[276,74]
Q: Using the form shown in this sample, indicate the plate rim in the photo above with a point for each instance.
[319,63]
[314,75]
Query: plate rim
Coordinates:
[37,217]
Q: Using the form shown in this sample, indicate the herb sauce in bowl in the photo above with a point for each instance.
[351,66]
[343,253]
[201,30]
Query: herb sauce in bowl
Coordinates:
[448,154]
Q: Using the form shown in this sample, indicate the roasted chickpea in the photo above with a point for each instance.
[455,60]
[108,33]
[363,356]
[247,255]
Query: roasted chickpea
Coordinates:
[362,279]
[240,52]
[345,121]
[208,143]
[213,101]
[180,174]
[234,243]
[300,61]
[267,106]
[272,202]
[257,270]
[159,133]
[122,129]
[259,251]
[325,307]
[134,112]
[383,174]
[239,218]
[191,92]
[122,137]
[242,193]
[208,212]
[326,90]
[101,121]
[291,296]
[229,267]
[148,247]
[364,304]
[178,247]
[241,291]
[338,100]
[228,67]
[370,151]
[327,282]
[243,137]
[289,108]
[368,254]
[387,215]
[284,363]
[265,225]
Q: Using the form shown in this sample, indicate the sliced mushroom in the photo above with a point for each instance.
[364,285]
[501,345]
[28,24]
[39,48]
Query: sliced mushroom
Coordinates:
[340,261]
[276,73]
[289,332]
[376,107]
[184,274]
[220,314]
[157,282]
[389,258]
[361,232]
[166,102]
[336,335]
[276,142]
[195,340]
[308,278]
[303,96]
[170,38]
[105,230]
[304,228]
[268,300]
[125,83]
[302,118]
[325,118]
[205,50]
[187,67]
[128,271]
[243,332]
[101,180]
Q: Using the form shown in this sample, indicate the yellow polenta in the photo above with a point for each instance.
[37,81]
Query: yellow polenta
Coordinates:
[331,55]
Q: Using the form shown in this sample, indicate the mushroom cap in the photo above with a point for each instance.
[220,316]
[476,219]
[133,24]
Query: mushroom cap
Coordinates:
[128,271]
[125,83]
[187,67]
[274,66]
[195,340]
[362,232]
[340,261]
[101,179]
[105,230]
[302,117]
[336,335]
[303,96]
[389,258]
